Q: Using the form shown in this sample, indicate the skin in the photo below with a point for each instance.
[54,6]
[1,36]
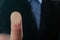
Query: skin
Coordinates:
[16,28]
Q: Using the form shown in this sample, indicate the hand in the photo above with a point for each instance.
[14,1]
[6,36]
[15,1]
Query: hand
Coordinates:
[16,27]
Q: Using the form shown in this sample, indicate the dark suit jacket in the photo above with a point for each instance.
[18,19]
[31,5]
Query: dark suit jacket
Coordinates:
[49,19]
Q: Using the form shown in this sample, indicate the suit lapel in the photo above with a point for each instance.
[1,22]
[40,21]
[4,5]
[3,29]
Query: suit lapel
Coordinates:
[43,16]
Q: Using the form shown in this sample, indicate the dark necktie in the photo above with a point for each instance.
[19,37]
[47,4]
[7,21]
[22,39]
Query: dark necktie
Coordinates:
[36,9]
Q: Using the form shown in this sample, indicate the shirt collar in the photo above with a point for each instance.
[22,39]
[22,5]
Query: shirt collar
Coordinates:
[39,1]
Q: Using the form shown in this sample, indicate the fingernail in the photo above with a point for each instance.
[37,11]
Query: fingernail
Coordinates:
[15,18]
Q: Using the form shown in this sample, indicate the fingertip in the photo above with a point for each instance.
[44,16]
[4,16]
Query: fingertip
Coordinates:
[16,26]
[15,17]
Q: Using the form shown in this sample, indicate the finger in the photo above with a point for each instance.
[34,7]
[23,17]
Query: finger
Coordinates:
[16,26]
[4,36]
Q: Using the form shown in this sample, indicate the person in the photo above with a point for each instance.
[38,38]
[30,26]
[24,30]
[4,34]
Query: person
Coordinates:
[33,29]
